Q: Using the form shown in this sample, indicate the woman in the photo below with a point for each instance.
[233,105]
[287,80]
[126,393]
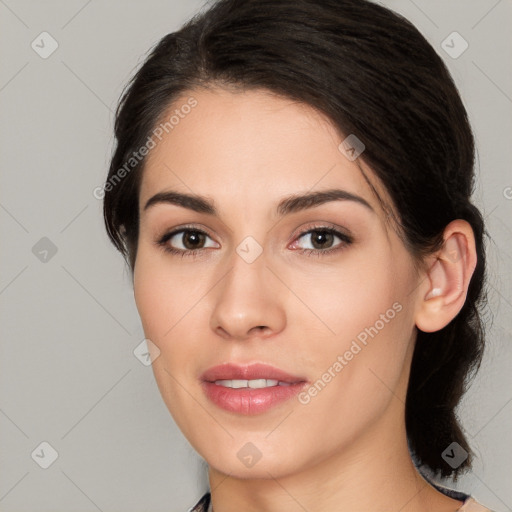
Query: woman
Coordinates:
[291,188]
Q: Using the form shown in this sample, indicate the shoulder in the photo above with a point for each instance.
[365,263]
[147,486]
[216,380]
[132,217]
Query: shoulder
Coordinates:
[202,505]
[471,505]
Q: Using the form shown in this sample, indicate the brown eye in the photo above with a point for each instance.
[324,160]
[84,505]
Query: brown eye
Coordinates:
[186,241]
[192,239]
[321,239]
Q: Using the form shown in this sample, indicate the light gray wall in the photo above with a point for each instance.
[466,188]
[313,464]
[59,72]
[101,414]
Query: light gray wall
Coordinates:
[68,375]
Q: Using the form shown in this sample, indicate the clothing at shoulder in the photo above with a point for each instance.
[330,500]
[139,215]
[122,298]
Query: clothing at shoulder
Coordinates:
[470,505]
[203,505]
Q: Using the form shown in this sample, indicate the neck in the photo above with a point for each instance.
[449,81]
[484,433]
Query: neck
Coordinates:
[374,473]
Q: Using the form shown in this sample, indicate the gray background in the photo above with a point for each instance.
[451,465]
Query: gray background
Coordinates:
[68,374]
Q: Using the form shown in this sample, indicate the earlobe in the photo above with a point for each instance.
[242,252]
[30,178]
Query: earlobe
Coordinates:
[447,279]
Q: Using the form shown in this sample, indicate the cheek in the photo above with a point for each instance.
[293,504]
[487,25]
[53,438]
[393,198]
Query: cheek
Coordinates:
[343,301]
[153,299]
[171,310]
[164,303]
[364,325]
[162,294]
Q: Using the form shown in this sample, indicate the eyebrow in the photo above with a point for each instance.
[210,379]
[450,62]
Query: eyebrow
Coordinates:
[291,204]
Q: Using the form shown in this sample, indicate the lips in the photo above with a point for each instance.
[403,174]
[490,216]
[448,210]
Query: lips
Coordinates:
[251,389]
[230,371]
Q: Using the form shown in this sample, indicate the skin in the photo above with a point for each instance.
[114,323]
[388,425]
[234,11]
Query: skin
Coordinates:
[346,449]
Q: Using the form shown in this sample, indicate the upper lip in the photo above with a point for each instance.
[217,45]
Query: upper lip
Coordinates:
[231,371]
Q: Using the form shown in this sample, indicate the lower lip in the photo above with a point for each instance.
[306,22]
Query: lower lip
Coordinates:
[250,401]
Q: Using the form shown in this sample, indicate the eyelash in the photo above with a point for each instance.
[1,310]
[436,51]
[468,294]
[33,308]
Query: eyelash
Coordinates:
[346,240]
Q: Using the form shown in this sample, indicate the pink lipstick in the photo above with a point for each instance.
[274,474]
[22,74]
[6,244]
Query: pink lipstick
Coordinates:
[249,389]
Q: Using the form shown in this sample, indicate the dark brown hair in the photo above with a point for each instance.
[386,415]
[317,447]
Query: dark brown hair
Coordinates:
[374,75]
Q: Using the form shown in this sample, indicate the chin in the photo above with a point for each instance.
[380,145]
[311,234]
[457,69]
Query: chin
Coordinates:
[243,458]
[263,469]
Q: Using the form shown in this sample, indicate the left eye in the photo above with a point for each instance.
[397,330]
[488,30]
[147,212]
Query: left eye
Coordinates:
[323,239]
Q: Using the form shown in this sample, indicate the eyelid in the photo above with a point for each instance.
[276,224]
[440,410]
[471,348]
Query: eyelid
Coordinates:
[340,233]
[167,235]
[327,226]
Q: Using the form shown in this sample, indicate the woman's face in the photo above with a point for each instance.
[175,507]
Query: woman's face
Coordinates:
[268,284]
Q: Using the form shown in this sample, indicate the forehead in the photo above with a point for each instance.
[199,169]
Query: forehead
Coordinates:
[249,144]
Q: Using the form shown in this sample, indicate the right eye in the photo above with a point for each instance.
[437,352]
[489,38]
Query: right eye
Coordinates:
[185,241]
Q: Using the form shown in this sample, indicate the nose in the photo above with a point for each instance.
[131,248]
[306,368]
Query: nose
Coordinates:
[248,301]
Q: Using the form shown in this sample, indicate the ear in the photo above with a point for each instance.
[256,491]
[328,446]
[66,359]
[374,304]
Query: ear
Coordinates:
[444,286]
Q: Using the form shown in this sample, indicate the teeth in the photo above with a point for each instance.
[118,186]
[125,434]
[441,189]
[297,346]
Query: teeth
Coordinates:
[254,384]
